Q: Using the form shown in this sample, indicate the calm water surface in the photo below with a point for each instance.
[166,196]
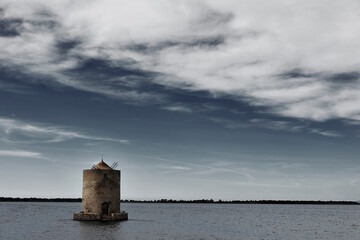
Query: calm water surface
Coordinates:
[183,221]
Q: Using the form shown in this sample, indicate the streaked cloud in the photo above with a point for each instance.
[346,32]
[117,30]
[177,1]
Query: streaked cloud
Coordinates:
[205,169]
[23,132]
[178,108]
[279,125]
[20,153]
[325,133]
[352,122]
[174,167]
[194,107]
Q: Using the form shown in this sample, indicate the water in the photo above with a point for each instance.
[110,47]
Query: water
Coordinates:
[183,221]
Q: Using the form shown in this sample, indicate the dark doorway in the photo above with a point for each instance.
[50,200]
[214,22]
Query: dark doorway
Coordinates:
[105,208]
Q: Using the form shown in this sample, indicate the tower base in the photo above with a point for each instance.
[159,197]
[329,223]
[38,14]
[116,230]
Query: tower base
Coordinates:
[120,216]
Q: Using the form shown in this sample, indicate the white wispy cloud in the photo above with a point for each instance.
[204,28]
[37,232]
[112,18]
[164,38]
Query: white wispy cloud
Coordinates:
[352,122]
[191,108]
[174,167]
[19,131]
[205,168]
[325,133]
[275,125]
[298,59]
[178,108]
[246,173]
[20,153]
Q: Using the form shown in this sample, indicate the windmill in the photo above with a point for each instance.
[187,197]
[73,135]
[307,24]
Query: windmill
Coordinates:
[101,194]
[105,176]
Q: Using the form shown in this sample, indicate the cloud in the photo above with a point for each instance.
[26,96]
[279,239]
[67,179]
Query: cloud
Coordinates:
[352,122]
[178,108]
[325,133]
[278,125]
[174,167]
[198,104]
[296,59]
[19,153]
[205,168]
[19,131]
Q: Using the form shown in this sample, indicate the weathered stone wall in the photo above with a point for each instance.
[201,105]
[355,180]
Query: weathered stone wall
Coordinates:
[93,197]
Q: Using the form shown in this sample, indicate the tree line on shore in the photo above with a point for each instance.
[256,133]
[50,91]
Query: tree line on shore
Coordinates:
[32,199]
[11,199]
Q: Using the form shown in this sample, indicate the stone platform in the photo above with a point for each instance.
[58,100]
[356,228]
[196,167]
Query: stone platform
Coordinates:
[121,216]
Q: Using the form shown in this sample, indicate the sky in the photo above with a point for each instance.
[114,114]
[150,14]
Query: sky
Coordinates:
[231,100]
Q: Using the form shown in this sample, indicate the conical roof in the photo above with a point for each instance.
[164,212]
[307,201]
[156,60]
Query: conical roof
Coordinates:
[102,165]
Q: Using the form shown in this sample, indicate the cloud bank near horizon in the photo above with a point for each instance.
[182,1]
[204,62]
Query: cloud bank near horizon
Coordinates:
[295,59]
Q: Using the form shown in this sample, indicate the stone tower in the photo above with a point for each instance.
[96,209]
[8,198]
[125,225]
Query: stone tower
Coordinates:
[101,194]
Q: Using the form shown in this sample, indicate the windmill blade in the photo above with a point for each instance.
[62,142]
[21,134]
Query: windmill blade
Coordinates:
[94,167]
[98,170]
[113,183]
[104,180]
[98,185]
[114,165]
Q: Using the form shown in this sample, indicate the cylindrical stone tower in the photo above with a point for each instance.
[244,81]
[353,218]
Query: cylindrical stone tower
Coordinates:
[101,194]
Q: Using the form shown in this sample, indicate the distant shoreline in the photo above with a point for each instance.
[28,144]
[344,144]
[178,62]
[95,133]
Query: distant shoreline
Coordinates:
[208,201]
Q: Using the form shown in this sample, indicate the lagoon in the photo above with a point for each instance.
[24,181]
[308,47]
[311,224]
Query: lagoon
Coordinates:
[53,220]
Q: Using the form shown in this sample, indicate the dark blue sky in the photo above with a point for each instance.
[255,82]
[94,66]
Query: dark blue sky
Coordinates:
[193,100]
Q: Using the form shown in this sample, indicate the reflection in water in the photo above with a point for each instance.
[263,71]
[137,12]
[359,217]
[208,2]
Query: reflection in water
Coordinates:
[99,230]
